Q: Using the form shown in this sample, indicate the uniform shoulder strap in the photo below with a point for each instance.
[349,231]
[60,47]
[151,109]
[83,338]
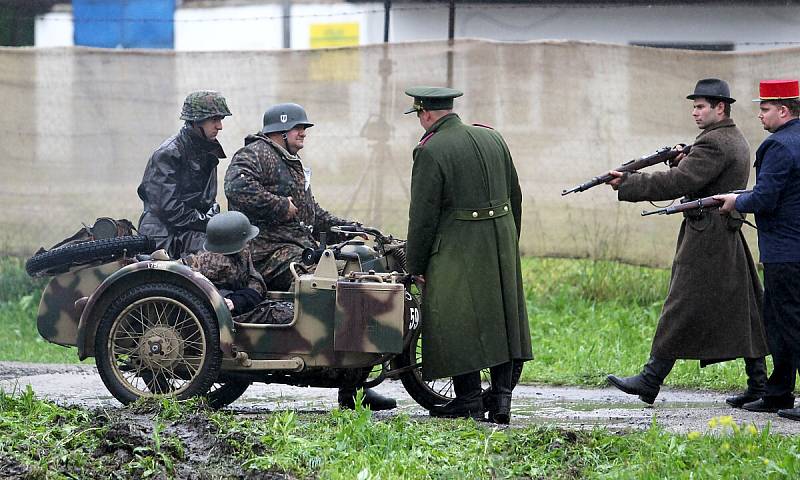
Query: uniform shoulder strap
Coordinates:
[425,139]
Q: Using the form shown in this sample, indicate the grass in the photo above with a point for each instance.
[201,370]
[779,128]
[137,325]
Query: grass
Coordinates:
[19,302]
[163,439]
[588,318]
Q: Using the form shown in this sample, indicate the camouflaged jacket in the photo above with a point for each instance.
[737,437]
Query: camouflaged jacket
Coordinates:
[228,272]
[178,188]
[261,177]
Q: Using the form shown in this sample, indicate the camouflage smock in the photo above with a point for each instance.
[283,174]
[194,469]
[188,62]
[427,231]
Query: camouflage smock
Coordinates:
[178,188]
[261,177]
[227,272]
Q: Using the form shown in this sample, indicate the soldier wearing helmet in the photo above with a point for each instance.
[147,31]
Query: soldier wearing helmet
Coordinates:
[179,185]
[226,261]
[267,181]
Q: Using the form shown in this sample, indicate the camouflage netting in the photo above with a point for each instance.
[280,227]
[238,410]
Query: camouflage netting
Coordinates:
[80,124]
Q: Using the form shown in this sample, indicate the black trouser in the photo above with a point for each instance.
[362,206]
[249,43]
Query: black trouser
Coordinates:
[782,323]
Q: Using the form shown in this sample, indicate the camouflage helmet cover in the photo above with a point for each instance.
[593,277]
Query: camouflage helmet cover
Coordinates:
[229,233]
[284,117]
[204,104]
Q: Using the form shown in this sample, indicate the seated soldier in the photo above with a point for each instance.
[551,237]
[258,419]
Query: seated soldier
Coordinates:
[227,263]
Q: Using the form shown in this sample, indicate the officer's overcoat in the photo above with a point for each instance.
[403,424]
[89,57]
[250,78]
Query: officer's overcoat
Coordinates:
[713,308]
[463,234]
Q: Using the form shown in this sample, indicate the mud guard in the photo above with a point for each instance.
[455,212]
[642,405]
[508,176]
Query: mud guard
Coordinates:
[154,271]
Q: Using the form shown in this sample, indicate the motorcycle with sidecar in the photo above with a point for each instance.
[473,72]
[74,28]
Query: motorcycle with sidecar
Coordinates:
[156,327]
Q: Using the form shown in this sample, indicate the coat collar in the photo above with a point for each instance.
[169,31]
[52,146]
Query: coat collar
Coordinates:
[203,144]
[449,120]
[279,148]
[728,122]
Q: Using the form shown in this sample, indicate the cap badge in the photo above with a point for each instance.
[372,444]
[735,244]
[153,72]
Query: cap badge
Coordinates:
[284,118]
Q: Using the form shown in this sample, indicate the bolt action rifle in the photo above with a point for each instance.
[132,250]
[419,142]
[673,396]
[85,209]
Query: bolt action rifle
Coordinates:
[689,205]
[664,154]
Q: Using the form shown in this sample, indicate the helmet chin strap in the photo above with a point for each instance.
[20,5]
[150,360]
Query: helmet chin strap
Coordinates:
[196,126]
[286,142]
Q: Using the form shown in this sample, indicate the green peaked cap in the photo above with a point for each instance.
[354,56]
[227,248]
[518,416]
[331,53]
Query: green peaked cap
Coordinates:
[432,98]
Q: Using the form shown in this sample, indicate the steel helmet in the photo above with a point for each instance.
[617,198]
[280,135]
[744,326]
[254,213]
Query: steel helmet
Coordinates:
[284,117]
[204,104]
[228,233]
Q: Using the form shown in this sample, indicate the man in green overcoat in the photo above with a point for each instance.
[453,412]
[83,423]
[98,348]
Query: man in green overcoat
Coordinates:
[707,324]
[463,245]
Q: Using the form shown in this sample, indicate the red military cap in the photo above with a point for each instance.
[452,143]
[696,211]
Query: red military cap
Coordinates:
[777,90]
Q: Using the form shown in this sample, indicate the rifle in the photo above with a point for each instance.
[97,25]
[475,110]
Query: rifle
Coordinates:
[663,154]
[687,205]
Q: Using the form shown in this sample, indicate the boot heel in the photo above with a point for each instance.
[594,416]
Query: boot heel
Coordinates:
[648,399]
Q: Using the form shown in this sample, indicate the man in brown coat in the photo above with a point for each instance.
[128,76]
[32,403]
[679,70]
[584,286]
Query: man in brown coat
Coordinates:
[698,322]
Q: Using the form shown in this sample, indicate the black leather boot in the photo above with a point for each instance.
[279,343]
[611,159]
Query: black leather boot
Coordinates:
[497,401]
[756,369]
[468,402]
[648,383]
[372,399]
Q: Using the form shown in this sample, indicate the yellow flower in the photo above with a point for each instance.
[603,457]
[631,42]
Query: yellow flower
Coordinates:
[713,422]
[751,429]
[725,447]
[727,421]
[693,435]
[766,461]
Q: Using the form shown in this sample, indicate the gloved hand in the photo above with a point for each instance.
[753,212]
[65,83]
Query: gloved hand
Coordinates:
[244,300]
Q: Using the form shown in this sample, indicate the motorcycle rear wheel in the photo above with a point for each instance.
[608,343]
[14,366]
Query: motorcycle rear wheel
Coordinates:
[438,391]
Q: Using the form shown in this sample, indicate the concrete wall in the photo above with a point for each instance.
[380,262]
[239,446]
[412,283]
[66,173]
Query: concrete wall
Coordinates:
[260,27]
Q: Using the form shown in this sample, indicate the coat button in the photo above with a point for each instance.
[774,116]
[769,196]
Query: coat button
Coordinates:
[491,213]
[474,214]
[505,209]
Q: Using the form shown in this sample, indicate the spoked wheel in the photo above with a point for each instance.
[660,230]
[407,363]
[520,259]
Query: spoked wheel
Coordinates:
[438,391]
[222,394]
[157,339]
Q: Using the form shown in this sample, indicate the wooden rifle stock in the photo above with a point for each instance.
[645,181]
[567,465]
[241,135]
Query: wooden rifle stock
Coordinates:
[663,154]
[689,205]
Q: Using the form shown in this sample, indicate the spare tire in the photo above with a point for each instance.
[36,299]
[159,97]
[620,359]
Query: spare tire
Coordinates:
[59,260]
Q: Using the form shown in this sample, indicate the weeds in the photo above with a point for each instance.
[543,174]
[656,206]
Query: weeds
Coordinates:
[54,442]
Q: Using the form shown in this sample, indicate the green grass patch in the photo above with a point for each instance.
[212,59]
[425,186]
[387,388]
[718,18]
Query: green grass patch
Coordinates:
[588,318]
[168,438]
[19,302]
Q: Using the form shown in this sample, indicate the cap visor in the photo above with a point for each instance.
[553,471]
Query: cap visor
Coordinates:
[410,110]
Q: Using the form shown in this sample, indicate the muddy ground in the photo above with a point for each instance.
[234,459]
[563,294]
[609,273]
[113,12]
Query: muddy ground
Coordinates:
[679,411]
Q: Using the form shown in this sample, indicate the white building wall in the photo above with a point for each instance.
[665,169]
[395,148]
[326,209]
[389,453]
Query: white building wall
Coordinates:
[54,29]
[249,27]
[260,27]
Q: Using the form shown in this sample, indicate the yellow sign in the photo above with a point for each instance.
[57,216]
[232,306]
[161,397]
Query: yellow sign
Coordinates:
[325,35]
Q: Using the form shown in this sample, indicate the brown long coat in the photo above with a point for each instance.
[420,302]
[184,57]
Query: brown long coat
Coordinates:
[713,308]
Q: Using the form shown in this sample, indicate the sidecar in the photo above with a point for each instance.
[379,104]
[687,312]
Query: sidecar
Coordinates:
[155,327]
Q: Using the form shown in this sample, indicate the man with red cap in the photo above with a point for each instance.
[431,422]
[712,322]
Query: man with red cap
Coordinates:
[775,201]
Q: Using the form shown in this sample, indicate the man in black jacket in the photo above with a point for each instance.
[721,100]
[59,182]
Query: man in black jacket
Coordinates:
[179,186]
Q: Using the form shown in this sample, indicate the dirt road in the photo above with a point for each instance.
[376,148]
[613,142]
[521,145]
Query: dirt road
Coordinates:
[570,407]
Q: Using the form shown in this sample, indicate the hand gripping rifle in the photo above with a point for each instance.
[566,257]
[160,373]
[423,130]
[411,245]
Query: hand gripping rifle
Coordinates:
[688,205]
[663,154]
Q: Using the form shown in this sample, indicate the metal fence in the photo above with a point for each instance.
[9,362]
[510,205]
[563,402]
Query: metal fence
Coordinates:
[80,124]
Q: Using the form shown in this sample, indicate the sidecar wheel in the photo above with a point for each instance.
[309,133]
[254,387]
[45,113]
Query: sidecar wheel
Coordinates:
[157,340]
[222,394]
[438,391]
